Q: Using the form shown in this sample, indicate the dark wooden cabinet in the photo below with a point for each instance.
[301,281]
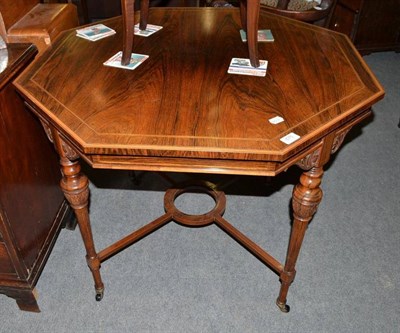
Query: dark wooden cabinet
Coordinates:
[371,24]
[32,206]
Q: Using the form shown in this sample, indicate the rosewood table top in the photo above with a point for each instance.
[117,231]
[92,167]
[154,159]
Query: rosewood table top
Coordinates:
[181,111]
[182,104]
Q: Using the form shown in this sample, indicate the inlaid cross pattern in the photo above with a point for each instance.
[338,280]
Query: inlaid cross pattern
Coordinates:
[214,216]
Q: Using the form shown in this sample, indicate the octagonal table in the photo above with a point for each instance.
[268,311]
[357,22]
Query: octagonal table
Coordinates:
[181,111]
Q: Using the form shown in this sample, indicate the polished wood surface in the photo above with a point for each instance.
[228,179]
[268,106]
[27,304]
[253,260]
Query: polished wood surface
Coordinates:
[182,104]
[181,111]
[249,13]
[12,12]
[32,207]
[82,7]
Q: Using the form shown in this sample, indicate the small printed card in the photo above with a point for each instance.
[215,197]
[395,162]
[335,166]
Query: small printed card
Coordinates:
[243,67]
[150,29]
[290,138]
[136,60]
[264,35]
[276,120]
[95,32]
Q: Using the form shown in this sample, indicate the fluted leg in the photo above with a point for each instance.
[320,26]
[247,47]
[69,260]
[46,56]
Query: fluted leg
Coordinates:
[75,186]
[305,200]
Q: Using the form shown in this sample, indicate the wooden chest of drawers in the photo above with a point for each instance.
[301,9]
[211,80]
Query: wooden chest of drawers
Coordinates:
[32,206]
[5,260]
[372,25]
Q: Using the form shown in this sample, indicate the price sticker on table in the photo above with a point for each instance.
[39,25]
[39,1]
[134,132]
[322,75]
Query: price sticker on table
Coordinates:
[290,138]
[276,120]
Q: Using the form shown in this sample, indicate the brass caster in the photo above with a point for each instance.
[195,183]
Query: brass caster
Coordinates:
[283,306]
[99,295]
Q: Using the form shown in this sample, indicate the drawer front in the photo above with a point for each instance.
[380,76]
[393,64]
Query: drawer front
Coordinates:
[6,266]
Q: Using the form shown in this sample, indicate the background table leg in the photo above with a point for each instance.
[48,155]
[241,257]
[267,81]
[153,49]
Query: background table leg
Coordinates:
[243,14]
[253,10]
[128,29]
[144,14]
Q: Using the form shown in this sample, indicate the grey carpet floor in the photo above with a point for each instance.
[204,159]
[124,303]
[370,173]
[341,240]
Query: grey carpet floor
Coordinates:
[199,280]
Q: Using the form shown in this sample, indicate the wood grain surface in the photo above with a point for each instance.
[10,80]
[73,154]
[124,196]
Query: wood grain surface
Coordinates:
[182,104]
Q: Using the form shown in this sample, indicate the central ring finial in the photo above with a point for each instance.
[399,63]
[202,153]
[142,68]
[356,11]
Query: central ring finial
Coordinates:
[201,220]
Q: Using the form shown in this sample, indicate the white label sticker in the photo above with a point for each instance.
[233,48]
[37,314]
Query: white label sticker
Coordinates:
[276,120]
[290,138]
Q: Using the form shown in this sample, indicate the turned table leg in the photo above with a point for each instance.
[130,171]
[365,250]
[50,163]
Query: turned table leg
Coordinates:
[306,197]
[75,186]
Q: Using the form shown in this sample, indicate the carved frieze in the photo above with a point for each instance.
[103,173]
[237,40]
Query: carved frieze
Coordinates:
[310,160]
[338,139]
[47,130]
[69,152]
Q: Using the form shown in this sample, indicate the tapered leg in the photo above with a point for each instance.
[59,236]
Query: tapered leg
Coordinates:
[253,10]
[128,22]
[306,197]
[243,14]
[75,186]
[144,14]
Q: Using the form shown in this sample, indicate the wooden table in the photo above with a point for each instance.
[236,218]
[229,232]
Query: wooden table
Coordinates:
[180,111]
